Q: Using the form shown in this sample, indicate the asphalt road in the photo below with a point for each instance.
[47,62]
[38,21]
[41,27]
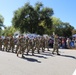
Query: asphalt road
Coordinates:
[39,64]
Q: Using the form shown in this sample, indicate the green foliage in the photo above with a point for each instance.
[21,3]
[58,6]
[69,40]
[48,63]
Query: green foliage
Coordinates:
[67,29]
[56,23]
[38,19]
[9,31]
[30,19]
[61,28]
[1,24]
[1,19]
[74,31]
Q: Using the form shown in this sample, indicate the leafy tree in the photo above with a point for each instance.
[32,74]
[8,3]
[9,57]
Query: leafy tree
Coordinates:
[74,31]
[1,23]
[56,27]
[1,19]
[67,29]
[9,31]
[62,28]
[29,18]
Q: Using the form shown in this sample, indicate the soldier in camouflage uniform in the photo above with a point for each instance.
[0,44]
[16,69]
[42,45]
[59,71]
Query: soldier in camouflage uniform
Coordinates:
[43,43]
[0,43]
[47,43]
[17,44]
[21,46]
[31,46]
[12,44]
[37,45]
[5,42]
[27,44]
[55,45]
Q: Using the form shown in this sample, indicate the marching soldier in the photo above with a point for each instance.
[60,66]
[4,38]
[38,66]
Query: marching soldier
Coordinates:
[12,44]
[43,43]
[46,43]
[55,45]
[17,44]
[21,46]
[27,43]
[37,45]
[0,43]
[31,46]
[5,42]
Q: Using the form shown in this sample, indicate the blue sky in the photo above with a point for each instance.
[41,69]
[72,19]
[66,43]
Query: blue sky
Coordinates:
[63,9]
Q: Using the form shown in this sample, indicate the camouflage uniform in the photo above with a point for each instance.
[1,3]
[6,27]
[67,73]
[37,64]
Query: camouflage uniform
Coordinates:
[27,43]
[17,44]
[12,44]
[5,42]
[55,45]
[46,43]
[31,46]
[21,46]
[0,43]
[38,45]
[43,44]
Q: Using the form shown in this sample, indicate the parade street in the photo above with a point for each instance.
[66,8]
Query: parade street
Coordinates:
[39,64]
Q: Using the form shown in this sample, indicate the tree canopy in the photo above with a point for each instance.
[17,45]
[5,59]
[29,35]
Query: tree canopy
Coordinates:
[33,19]
[37,19]
[9,31]
[1,23]
[1,19]
[62,28]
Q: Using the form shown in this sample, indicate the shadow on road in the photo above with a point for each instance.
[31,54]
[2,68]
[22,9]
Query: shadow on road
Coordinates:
[47,54]
[39,56]
[30,59]
[69,56]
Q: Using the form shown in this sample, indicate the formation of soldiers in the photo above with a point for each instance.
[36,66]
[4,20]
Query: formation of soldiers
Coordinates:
[23,44]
